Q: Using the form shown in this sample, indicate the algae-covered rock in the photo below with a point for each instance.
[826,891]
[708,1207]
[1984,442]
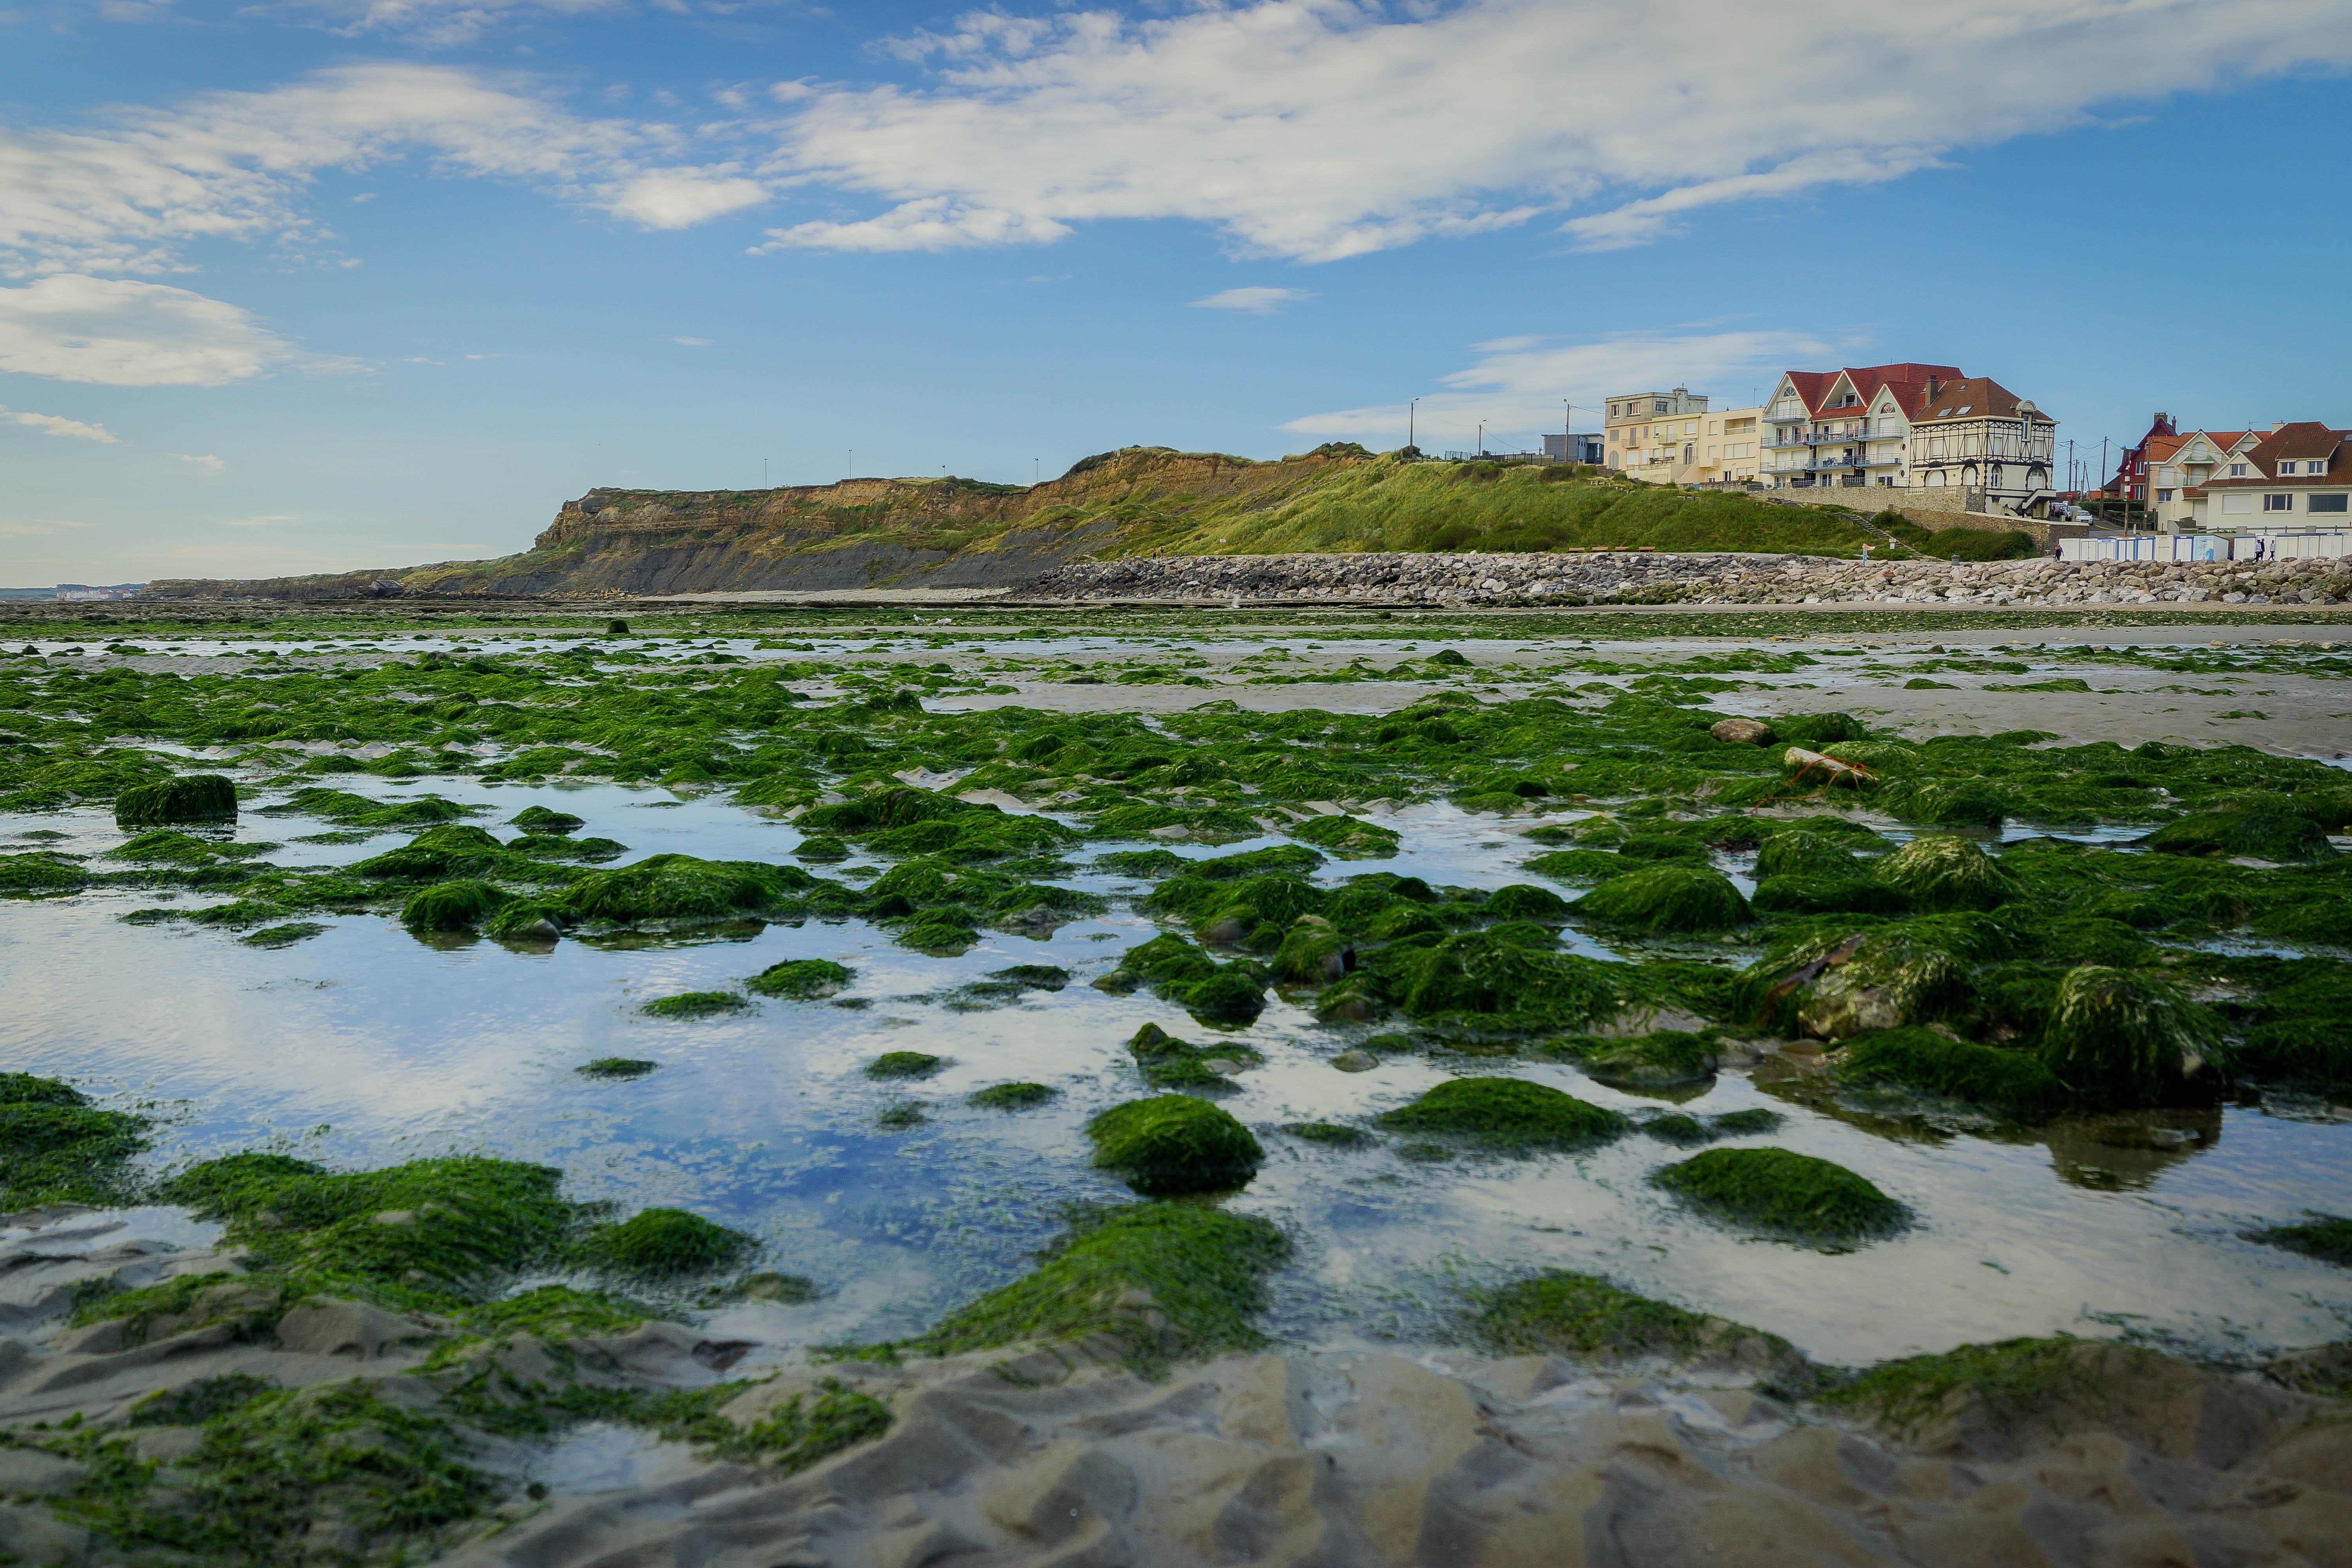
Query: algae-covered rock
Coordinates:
[1313,953]
[1173,1143]
[904,1065]
[1994,1402]
[1742,732]
[192,797]
[1487,973]
[696,1004]
[2119,1038]
[541,819]
[1806,854]
[1505,1113]
[1942,873]
[2311,1052]
[1834,985]
[1667,900]
[1525,902]
[662,1243]
[1952,804]
[1786,1194]
[1579,867]
[2255,835]
[1349,838]
[1170,1063]
[801,979]
[821,849]
[684,888]
[2013,1083]
[1331,1134]
[1164,1280]
[452,906]
[1011,1096]
[1583,1315]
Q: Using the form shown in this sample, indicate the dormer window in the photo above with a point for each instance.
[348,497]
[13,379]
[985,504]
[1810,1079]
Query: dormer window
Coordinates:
[2287,466]
[2237,470]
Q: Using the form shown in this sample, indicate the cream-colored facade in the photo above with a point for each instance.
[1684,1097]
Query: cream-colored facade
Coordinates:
[1673,437]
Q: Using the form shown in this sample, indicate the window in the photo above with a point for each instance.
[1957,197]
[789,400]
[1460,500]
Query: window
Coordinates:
[2286,468]
[1660,406]
[2237,503]
[1690,426]
[2164,495]
[2237,470]
[2326,503]
[2278,503]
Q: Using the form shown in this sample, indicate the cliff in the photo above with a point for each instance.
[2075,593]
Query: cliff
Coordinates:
[1138,502]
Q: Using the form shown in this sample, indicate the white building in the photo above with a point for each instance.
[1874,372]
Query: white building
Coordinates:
[2298,476]
[1844,429]
[1980,436]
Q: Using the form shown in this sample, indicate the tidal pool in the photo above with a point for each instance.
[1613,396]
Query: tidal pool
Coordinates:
[366,1045]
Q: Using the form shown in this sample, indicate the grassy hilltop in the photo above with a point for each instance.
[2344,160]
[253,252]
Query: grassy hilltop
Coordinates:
[1139,500]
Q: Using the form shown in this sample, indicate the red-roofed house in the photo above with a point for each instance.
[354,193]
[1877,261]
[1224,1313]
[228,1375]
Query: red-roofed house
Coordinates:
[2174,464]
[1846,427]
[2296,476]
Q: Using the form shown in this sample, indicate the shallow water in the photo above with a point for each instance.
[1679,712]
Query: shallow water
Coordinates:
[366,1045]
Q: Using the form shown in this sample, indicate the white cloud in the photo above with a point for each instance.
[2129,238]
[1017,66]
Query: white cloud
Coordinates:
[1320,129]
[258,522]
[51,425]
[1518,383]
[693,342]
[486,356]
[437,22]
[204,460]
[1257,301]
[131,193]
[121,334]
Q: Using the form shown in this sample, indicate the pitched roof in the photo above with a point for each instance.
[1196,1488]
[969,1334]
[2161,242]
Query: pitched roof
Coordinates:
[2161,448]
[1979,394]
[2298,443]
[1809,384]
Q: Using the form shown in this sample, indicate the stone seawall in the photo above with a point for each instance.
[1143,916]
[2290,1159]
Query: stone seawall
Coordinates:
[1644,578]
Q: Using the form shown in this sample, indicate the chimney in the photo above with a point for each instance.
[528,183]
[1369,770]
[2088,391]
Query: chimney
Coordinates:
[2277,426]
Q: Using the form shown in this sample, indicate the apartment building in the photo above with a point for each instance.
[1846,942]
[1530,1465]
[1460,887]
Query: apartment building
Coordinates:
[1649,435]
[1848,428]
[1673,437]
[2297,475]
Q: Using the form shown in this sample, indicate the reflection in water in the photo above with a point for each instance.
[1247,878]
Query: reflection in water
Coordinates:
[2129,1150]
[764,1118]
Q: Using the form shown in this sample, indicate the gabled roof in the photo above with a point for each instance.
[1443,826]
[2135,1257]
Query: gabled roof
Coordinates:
[2161,448]
[1980,395]
[1810,385]
[2298,443]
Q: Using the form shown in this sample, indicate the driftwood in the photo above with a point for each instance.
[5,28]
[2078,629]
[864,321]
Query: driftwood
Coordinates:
[1834,770]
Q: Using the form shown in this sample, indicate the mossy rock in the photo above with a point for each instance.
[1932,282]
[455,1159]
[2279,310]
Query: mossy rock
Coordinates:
[662,1243]
[274,937]
[1668,900]
[2308,1052]
[1785,1195]
[1170,1063]
[452,906]
[1349,838]
[2327,1237]
[1953,805]
[685,888]
[821,849]
[2012,1083]
[1664,847]
[192,797]
[1231,996]
[1854,894]
[696,1004]
[1166,1281]
[1313,953]
[2119,1037]
[1011,1096]
[904,1065]
[1488,973]
[541,819]
[1943,873]
[1806,854]
[1525,902]
[1585,1316]
[1173,1143]
[1505,1113]
[2002,1398]
[801,979]
[2255,835]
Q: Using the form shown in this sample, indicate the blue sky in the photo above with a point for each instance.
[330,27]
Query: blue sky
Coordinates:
[325,284]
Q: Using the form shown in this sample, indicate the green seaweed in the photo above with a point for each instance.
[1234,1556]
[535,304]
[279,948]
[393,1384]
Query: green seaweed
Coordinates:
[662,1243]
[904,1065]
[1667,900]
[1785,1195]
[192,797]
[1173,1143]
[696,1004]
[2327,1237]
[1505,1113]
[1011,1096]
[1584,1315]
[801,979]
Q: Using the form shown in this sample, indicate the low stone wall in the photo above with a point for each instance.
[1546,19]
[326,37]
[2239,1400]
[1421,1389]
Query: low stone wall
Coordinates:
[1641,578]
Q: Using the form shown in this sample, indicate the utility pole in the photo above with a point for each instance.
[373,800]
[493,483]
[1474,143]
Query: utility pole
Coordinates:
[2103,482]
[1482,438]
[1567,431]
[763,473]
[1037,472]
[1410,410]
[853,463]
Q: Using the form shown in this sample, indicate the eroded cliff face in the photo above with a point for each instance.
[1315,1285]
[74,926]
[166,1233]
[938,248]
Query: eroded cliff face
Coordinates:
[857,533]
